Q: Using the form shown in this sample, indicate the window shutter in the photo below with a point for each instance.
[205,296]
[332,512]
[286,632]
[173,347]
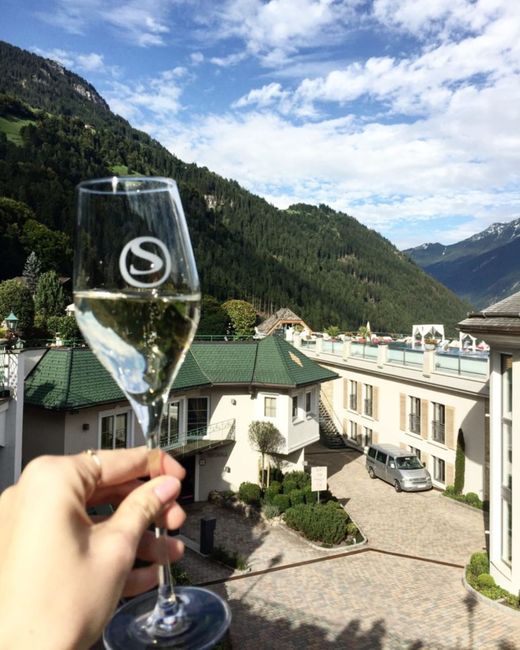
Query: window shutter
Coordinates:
[375,437]
[402,411]
[359,398]
[345,394]
[424,418]
[345,426]
[375,402]
[449,428]
[403,445]
[450,474]
[425,459]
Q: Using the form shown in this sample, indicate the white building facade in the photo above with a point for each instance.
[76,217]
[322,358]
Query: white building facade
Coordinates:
[499,325]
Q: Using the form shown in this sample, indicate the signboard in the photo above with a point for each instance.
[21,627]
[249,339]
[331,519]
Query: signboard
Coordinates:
[318,479]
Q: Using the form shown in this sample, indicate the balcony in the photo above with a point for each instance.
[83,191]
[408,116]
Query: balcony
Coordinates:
[414,423]
[438,431]
[213,435]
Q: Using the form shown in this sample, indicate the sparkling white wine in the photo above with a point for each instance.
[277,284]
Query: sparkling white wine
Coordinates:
[139,337]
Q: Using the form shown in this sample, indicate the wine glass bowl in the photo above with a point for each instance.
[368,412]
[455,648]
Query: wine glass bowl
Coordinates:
[137,303]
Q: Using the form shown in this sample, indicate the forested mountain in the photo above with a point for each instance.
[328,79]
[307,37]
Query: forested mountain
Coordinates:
[482,269]
[55,130]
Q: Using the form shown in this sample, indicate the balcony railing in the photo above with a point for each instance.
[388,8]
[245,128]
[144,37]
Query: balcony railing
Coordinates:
[198,438]
[414,423]
[438,431]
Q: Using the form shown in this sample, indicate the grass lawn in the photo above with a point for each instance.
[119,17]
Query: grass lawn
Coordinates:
[12,126]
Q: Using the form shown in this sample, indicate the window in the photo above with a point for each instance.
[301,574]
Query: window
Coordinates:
[114,430]
[438,422]
[353,430]
[308,403]
[439,469]
[170,424]
[270,407]
[197,413]
[381,457]
[415,415]
[367,434]
[368,403]
[295,406]
[415,451]
[352,395]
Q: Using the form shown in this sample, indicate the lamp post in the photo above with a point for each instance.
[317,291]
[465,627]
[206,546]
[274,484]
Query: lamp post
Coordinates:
[11,322]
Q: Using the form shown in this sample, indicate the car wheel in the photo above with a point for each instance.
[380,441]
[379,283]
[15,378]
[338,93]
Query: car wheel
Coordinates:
[371,472]
[397,486]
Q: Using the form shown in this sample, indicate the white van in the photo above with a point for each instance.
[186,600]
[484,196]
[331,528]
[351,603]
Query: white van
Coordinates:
[399,467]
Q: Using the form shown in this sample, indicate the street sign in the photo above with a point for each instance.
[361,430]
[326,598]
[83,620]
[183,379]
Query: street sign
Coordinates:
[318,478]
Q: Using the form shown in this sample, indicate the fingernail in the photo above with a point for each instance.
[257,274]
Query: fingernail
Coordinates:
[166,490]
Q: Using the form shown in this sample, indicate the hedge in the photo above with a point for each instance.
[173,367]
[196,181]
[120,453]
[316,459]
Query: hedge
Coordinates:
[322,523]
[296,497]
[282,502]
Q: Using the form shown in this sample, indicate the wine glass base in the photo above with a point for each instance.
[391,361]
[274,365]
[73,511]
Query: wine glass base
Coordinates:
[203,620]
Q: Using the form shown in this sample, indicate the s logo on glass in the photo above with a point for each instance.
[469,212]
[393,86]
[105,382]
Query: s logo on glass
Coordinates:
[158,260]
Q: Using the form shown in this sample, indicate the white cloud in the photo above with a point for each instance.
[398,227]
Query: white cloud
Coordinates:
[197,58]
[142,22]
[277,29]
[159,97]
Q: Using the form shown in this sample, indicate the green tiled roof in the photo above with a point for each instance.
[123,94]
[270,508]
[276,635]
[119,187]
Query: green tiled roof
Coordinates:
[68,379]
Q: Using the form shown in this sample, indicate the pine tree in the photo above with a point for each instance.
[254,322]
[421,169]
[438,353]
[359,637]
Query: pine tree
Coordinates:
[31,271]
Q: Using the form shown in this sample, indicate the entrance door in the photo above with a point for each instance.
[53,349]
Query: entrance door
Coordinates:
[188,483]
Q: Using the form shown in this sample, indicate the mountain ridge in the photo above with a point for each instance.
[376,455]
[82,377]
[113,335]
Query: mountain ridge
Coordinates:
[322,264]
[482,269]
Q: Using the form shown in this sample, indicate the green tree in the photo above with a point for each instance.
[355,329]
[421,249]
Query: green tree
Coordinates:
[16,297]
[332,330]
[213,319]
[242,316]
[31,271]
[53,248]
[266,438]
[49,299]
[460,463]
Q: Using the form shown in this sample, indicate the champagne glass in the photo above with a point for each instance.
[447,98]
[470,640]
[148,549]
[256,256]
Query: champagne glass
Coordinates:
[137,303]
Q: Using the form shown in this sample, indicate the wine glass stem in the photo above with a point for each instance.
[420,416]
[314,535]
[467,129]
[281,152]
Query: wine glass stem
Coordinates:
[167,608]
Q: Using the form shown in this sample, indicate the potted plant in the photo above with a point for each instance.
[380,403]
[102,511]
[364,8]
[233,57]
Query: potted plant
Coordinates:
[430,343]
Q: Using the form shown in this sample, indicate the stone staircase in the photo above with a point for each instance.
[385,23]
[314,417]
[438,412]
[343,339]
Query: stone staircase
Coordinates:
[329,434]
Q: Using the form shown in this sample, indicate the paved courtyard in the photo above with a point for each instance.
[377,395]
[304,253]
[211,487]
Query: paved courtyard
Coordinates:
[403,590]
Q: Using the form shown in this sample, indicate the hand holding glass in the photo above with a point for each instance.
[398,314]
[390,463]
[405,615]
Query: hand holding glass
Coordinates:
[137,300]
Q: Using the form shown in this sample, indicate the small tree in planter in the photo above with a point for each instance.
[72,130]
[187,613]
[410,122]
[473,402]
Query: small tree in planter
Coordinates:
[266,438]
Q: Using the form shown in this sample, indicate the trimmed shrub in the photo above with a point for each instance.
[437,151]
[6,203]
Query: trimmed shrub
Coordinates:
[289,485]
[276,475]
[296,497]
[485,581]
[282,502]
[473,499]
[460,464]
[479,563]
[310,496]
[352,529]
[249,493]
[321,523]
[302,479]
[272,491]
[229,558]
[450,490]
[270,510]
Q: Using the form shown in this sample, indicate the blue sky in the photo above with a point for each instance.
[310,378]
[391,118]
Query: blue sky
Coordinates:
[403,113]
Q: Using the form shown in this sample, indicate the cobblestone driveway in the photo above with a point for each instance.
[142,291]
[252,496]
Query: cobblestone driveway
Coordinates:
[399,593]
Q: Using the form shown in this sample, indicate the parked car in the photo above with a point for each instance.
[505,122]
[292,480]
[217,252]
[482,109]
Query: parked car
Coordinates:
[399,467]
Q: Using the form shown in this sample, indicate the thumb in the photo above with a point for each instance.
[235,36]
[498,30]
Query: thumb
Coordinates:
[142,506]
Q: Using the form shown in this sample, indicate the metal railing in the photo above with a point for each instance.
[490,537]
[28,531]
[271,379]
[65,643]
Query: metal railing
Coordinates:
[438,431]
[414,423]
[461,365]
[217,432]
[364,350]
